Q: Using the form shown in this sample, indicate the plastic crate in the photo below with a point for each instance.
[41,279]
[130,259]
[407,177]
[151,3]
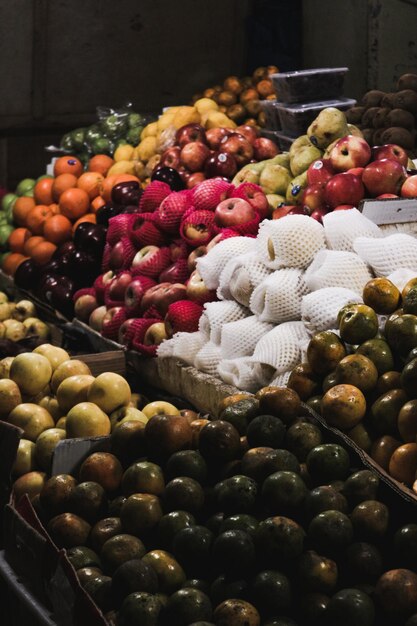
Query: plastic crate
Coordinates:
[283,141]
[269,107]
[296,118]
[309,85]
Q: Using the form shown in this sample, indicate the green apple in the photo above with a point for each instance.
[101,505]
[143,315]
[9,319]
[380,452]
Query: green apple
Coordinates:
[109,391]
[5,232]
[25,187]
[8,201]
[46,444]
[127,413]
[159,407]
[32,372]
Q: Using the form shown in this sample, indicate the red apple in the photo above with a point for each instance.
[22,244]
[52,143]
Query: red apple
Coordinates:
[220,164]
[264,148]
[299,210]
[135,292]
[162,295]
[175,273]
[344,188]
[193,156]
[155,334]
[208,194]
[110,314]
[254,195]
[96,318]
[390,151]
[313,197]
[144,256]
[117,256]
[171,157]
[317,214]
[197,227]
[184,173]
[386,195]
[195,179]
[197,290]
[344,207]
[383,176]
[409,188]
[357,171]
[239,147]
[84,306]
[194,255]
[250,132]
[215,135]
[124,329]
[233,211]
[350,151]
[320,171]
[118,285]
[282,211]
[179,250]
[190,133]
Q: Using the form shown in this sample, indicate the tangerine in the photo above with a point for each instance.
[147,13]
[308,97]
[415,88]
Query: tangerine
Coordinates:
[21,208]
[12,261]
[100,163]
[43,252]
[31,243]
[88,217]
[68,165]
[74,203]
[42,192]
[18,238]
[61,183]
[97,203]
[91,182]
[57,229]
[37,217]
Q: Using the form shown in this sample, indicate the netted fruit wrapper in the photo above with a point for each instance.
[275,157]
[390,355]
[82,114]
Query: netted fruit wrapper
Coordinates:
[183,346]
[337,268]
[216,314]
[211,265]
[239,338]
[278,297]
[389,253]
[342,227]
[319,308]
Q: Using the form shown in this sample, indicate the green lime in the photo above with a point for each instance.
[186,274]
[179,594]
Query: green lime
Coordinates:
[8,201]
[103,146]
[134,120]
[92,134]
[78,138]
[67,142]
[25,187]
[133,135]
[114,125]
[5,232]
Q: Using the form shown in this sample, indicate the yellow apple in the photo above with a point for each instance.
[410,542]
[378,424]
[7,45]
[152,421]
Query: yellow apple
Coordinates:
[4,311]
[61,423]
[25,458]
[159,407]
[32,419]
[36,328]
[5,366]
[73,390]
[86,419]
[54,354]
[32,372]
[10,396]
[46,444]
[14,330]
[126,413]
[3,297]
[24,309]
[50,403]
[71,367]
[31,483]
[109,391]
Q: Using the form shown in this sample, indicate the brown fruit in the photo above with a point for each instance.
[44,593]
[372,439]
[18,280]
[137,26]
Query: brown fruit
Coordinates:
[407,81]
[407,421]
[196,427]
[228,400]
[387,381]
[128,441]
[103,468]
[87,573]
[396,592]
[387,100]
[370,520]
[103,530]
[119,549]
[233,84]
[254,463]
[381,295]
[227,98]
[89,501]
[304,381]
[382,450]
[272,69]
[343,406]
[253,108]
[403,463]
[373,98]
[265,88]
[405,99]
[260,73]
[411,283]
[219,442]
[354,115]
[247,95]
[166,434]
[68,530]
[380,118]
[143,477]
[398,135]
[30,484]
[140,513]
[56,493]
[368,116]
[236,613]
[368,135]
[236,112]
[400,117]
[282,402]
[357,370]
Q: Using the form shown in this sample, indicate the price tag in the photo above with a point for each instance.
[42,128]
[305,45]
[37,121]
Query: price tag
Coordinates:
[390,210]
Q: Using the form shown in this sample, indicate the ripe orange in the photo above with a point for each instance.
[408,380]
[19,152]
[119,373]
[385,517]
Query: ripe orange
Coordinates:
[97,203]
[37,217]
[100,163]
[18,238]
[42,253]
[11,262]
[88,217]
[31,243]
[42,192]
[68,165]
[74,203]
[61,183]
[113,180]
[57,229]
[21,208]
[54,208]
[91,183]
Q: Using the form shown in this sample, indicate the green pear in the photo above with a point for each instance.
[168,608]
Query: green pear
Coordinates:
[296,188]
[274,178]
[354,130]
[281,159]
[274,200]
[249,173]
[302,158]
[330,124]
[301,142]
[326,153]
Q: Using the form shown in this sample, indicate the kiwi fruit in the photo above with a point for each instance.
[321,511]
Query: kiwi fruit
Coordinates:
[354,115]
[368,116]
[380,118]
[407,81]
[372,98]
[387,100]
[400,117]
[368,135]
[398,135]
[377,136]
[405,99]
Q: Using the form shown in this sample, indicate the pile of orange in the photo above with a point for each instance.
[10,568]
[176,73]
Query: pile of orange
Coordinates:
[59,204]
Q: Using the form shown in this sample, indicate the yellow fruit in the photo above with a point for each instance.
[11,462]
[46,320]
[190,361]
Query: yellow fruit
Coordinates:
[72,367]
[32,419]
[45,446]
[122,167]
[146,148]
[123,153]
[109,391]
[139,168]
[186,115]
[206,104]
[149,131]
[73,390]
[25,458]
[215,119]
[10,396]
[166,120]
[31,372]
[54,354]
[86,419]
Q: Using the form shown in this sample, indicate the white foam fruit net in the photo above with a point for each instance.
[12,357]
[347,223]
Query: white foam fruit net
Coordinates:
[207,358]
[240,373]
[211,264]
[281,348]
[342,227]
[401,277]
[278,298]
[240,277]
[216,314]
[319,308]
[280,380]
[240,338]
[337,268]
[388,254]
[183,346]
[291,241]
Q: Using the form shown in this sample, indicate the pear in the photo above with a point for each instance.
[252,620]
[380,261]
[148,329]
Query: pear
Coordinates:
[249,173]
[296,188]
[326,153]
[274,178]
[354,130]
[281,159]
[330,124]
[301,159]
[275,200]
[300,142]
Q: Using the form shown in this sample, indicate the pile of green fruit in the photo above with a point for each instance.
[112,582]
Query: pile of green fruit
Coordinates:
[253,518]
[110,131]
[24,188]
[364,382]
